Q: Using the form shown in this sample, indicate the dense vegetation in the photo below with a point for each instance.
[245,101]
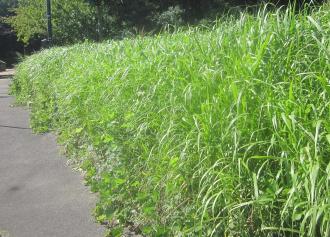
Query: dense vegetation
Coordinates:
[78,20]
[8,40]
[219,131]
[73,20]
[96,20]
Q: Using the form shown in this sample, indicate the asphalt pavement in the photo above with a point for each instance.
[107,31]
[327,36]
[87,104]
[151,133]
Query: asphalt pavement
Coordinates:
[40,195]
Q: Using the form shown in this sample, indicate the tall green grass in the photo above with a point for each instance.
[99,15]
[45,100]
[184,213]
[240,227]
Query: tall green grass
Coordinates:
[221,131]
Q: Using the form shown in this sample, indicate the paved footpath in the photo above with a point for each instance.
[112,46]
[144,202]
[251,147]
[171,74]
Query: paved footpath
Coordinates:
[40,196]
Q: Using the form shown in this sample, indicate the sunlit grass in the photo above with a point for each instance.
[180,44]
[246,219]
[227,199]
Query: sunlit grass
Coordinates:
[222,131]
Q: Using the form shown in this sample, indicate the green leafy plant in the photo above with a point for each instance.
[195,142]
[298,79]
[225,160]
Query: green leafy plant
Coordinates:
[220,131]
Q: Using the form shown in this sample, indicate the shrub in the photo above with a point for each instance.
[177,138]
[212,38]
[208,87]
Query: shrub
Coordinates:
[218,131]
[172,16]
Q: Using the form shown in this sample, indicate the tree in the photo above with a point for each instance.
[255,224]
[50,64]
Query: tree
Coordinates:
[73,20]
[9,47]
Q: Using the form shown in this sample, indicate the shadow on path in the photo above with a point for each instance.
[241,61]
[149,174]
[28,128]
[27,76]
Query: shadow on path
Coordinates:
[40,196]
[14,127]
[7,75]
[4,76]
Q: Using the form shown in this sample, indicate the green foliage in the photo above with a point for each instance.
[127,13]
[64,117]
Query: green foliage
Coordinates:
[172,16]
[29,20]
[73,20]
[219,131]
[77,20]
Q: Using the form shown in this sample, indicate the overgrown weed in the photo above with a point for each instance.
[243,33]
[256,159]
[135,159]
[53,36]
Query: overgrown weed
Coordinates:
[219,132]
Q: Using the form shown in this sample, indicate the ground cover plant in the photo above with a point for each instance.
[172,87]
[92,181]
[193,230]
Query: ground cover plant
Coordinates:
[210,131]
